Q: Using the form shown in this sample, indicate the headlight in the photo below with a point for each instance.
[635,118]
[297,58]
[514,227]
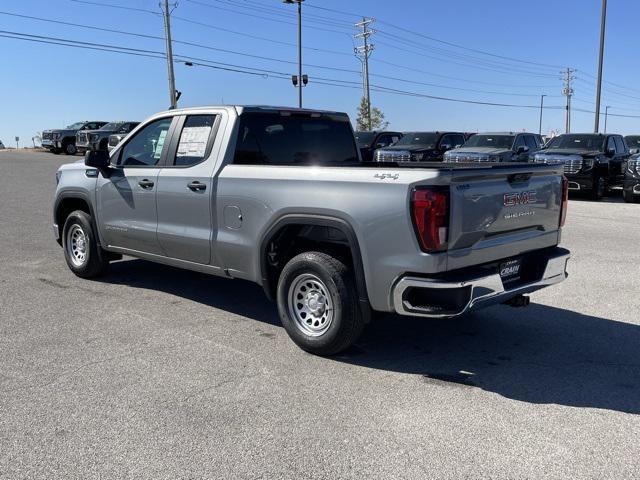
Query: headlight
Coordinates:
[56,136]
[494,158]
[416,157]
[634,166]
[93,137]
[587,163]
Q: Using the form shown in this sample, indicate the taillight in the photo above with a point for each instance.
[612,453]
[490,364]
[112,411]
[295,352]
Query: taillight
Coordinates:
[430,213]
[565,201]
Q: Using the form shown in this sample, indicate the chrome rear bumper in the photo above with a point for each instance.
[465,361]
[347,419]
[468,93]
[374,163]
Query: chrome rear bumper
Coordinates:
[475,293]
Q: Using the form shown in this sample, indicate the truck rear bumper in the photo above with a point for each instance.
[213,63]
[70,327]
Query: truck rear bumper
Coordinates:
[443,298]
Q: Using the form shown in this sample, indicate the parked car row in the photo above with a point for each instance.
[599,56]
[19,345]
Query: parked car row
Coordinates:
[595,164]
[87,135]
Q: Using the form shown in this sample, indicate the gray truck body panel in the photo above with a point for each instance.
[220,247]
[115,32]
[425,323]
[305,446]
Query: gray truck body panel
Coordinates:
[221,230]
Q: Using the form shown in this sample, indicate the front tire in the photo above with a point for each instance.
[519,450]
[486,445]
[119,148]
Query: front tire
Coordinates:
[629,197]
[70,148]
[599,188]
[318,304]
[82,252]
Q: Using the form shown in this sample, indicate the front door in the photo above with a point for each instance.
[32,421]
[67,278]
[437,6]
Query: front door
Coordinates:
[126,198]
[186,190]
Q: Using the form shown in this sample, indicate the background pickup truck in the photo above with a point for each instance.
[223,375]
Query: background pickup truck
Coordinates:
[281,198]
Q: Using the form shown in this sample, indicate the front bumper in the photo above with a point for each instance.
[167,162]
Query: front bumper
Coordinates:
[451,298]
[48,143]
[632,185]
[580,181]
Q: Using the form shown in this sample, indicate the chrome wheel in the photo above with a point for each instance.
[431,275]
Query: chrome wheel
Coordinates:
[310,305]
[77,245]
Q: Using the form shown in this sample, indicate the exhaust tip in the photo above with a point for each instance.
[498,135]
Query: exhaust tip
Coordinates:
[518,301]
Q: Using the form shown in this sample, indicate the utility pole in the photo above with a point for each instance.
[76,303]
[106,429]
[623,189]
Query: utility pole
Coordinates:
[363,52]
[541,107]
[603,23]
[301,80]
[169,47]
[567,91]
[606,114]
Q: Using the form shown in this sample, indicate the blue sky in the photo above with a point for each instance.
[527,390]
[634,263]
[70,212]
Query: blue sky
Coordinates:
[47,86]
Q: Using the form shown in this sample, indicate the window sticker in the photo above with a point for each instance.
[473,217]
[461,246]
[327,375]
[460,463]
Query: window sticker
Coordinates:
[193,141]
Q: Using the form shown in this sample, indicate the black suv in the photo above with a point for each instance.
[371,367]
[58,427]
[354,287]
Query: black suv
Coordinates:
[420,147]
[64,140]
[631,185]
[593,162]
[496,147]
[368,142]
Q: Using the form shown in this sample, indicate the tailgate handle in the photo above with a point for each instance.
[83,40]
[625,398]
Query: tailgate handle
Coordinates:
[519,177]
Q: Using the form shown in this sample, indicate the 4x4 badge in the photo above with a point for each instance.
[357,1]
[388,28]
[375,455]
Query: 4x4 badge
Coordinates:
[387,176]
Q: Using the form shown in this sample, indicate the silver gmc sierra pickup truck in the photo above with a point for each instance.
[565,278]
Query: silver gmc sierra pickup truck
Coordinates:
[280,197]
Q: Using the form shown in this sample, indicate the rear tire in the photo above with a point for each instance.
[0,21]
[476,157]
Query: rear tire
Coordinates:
[318,304]
[82,252]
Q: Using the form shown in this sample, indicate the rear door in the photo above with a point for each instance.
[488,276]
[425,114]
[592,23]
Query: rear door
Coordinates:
[501,211]
[187,190]
[126,198]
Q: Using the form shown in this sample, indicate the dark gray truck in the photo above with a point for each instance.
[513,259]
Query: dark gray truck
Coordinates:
[99,139]
[64,139]
[281,197]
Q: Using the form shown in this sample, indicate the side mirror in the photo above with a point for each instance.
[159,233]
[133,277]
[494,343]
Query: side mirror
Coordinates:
[97,159]
[522,150]
[610,152]
[446,146]
[457,146]
[633,151]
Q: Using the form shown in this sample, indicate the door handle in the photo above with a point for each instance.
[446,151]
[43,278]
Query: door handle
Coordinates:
[146,183]
[197,186]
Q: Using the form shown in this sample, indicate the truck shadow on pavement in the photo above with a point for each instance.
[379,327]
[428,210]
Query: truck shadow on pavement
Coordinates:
[539,354]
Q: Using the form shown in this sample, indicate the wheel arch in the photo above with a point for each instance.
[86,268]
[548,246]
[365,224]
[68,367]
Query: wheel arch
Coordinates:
[67,202]
[269,284]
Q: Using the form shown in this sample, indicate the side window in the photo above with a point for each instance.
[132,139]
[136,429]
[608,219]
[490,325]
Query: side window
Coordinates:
[145,148]
[620,148]
[519,142]
[611,144]
[531,142]
[194,138]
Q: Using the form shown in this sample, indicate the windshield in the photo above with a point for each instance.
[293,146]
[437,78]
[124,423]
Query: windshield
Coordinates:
[495,141]
[419,138]
[75,126]
[364,139]
[633,141]
[577,142]
[112,126]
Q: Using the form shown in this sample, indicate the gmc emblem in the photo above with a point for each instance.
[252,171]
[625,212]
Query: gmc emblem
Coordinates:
[522,198]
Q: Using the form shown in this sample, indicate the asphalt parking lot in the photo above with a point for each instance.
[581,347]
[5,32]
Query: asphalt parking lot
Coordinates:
[153,372]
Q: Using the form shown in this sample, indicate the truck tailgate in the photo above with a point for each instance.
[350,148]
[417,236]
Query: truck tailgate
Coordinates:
[501,212]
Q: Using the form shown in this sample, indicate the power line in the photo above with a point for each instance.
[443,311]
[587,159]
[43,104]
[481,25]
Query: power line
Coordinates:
[237,68]
[262,57]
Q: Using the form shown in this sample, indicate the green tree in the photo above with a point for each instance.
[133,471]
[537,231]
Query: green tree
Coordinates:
[377,118]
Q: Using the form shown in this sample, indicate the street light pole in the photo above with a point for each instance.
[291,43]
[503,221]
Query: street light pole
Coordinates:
[541,107]
[603,23]
[167,34]
[300,82]
[606,114]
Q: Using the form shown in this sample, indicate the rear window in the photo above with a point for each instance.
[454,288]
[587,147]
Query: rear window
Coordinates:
[291,139]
